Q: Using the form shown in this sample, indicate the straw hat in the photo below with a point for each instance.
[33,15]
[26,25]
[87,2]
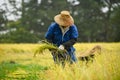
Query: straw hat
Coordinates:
[64,19]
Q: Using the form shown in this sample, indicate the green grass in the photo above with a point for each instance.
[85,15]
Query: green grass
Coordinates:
[17,63]
[12,70]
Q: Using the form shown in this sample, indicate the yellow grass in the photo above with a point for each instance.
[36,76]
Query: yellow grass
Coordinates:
[105,66]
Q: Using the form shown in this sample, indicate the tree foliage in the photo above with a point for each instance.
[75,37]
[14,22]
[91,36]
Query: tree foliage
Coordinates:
[97,20]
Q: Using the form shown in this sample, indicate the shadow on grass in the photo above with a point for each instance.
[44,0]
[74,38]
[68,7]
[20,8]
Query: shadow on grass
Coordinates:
[10,70]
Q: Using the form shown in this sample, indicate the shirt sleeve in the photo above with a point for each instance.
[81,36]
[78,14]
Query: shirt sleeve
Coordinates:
[74,32]
[49,33]
[69,43]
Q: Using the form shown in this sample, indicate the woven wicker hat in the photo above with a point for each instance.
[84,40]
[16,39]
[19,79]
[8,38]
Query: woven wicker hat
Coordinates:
[64,19]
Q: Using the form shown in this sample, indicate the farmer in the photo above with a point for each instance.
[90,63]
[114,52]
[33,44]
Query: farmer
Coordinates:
[63,33]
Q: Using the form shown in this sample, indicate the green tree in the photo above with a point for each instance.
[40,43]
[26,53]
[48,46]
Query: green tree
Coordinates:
[115,23]
[93,23]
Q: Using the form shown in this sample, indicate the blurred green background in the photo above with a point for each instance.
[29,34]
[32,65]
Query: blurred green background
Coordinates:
[26,21]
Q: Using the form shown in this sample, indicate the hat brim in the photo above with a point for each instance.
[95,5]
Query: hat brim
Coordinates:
[60,21]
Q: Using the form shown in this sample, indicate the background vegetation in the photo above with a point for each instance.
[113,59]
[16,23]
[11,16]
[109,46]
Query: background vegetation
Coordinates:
[97,20]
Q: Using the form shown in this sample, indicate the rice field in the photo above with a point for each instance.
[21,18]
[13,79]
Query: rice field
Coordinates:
[17,63]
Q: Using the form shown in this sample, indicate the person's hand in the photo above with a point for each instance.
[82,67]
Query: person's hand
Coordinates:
[61,47]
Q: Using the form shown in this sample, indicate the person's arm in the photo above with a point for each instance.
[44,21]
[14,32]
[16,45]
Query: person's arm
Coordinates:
[69,43]
[49,33]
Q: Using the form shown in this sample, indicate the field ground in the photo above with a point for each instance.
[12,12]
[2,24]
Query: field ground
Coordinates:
[17,63]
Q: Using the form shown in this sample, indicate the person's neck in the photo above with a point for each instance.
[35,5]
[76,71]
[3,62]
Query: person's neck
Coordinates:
[64,27]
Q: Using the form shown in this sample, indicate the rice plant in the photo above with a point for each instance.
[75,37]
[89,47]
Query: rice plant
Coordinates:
[51,47]
[22,66]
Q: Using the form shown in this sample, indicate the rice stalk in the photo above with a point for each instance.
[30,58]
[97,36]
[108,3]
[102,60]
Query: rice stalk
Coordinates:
[52,48]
